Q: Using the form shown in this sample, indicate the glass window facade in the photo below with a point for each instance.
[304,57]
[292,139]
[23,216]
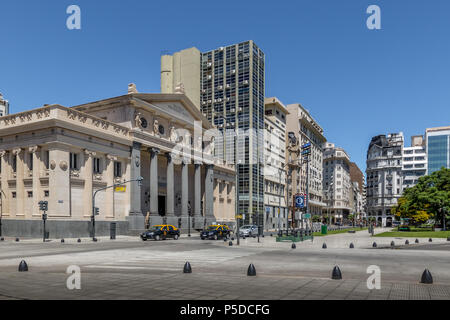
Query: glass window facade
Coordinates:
[438,153]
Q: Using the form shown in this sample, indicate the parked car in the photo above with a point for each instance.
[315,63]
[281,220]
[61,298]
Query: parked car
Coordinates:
[215,232]
[161,232]
[248,230]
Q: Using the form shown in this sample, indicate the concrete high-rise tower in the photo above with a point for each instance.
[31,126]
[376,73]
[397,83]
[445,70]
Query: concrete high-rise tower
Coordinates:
[228,86]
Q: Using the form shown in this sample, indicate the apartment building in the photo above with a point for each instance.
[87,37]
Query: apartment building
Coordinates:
[414,161]
[337,184]
[276,212]
[4,106]
[384,176]
[303,128]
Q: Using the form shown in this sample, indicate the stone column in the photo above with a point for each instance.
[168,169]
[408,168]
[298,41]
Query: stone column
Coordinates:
[184,189]
[198,221]
[136,219]
[5,193]
[88,191]
[209,192]
[37,196]
[20,188]
[154,181]
[109,205]
[170,210]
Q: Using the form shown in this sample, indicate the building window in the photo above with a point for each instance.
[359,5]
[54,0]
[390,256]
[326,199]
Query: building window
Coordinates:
[73,161]
[97,167]
[13,194]
[14,163]
[117,169]
[30,194]
[46,193]
[30,161]
[47,159]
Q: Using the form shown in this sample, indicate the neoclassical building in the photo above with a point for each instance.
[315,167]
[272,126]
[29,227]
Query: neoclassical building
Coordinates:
[66,155]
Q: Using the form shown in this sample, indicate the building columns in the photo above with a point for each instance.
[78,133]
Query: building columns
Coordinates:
[37,197]
[5,193]
[20,187]
[109,204]
[170,212]
[184,189]
[154,181]
[88,191]
[209,191]
[198,191]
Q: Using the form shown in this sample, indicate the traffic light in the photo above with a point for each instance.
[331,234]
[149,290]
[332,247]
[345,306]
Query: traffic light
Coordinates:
[43,205]
[96,211]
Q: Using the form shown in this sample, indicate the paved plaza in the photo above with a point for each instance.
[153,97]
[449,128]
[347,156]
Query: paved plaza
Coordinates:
[128,268]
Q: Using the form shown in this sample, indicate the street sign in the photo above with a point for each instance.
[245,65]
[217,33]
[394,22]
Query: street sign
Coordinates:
[300,200]
[306,216]
[305,146]
[121,189]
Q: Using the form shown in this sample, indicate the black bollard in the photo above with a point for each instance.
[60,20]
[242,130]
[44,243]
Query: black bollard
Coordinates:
[251,272]
[23,267]
[17,239]
[62,240]
[230,243]
[232,238]
[426,277]
[352,246]
[79,240]
[187,268]
[271,235]
[336,274]
[94,239]
[417,240]
[448,238]
[2,239]
[293,246]
[406,242]
[374,245]
[324,246]
[392,243]
[430,240]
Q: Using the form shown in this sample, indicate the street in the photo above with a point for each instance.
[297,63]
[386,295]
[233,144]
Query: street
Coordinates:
[128,268]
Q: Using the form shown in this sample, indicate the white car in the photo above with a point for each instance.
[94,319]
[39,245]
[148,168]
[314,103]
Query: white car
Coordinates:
[248,230]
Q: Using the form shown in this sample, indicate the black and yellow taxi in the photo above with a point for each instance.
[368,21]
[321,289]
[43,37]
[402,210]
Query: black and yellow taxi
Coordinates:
[161,232]
[215,232]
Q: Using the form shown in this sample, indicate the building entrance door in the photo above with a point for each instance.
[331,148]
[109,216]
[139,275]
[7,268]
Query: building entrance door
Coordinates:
[162,205]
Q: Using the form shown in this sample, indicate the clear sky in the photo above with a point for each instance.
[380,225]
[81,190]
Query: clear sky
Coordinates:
[356,82]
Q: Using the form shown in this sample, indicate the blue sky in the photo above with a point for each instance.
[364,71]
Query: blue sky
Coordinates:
[356,82]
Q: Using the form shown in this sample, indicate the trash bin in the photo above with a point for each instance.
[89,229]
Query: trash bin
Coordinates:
[112,230]
[324,229]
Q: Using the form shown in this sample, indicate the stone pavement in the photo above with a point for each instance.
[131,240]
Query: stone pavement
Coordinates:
[131,269]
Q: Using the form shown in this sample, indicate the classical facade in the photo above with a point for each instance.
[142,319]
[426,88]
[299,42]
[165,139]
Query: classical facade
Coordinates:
[302,126]
[275,164]
[384,176]
[66,155]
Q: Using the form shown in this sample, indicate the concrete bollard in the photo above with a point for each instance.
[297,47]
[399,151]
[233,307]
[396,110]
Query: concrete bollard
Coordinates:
[251,271]
[426,277]
[23,267]
[336,274]
[187,268]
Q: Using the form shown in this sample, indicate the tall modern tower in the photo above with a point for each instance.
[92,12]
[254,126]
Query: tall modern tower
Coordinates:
[4,106]
[231,96]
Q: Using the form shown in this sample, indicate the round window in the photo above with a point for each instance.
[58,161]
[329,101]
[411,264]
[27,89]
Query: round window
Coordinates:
[161,130]
[144,123]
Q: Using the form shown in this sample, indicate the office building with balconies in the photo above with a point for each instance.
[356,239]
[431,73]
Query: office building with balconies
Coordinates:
[4,106]
[437,148]
[414,162]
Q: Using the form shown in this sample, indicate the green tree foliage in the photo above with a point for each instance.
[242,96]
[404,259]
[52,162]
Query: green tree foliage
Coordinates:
[427,199]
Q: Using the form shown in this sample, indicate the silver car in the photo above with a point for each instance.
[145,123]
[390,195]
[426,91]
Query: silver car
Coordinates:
[248,230]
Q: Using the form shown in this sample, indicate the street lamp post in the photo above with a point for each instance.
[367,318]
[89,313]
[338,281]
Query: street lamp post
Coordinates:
[1,209]
[94,209]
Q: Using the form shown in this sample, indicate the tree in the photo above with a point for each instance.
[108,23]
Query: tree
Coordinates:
[430,198]
[316,218]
